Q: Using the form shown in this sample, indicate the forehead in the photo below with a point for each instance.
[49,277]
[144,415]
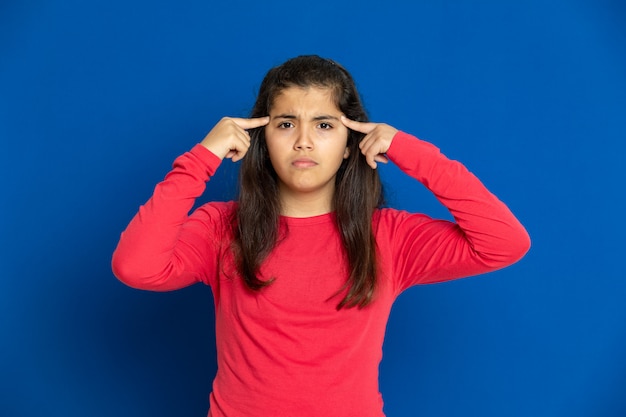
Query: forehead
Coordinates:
[304,100]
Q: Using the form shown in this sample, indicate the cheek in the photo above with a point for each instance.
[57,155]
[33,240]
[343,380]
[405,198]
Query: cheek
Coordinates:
[271,142]
[342,145]
[272,153]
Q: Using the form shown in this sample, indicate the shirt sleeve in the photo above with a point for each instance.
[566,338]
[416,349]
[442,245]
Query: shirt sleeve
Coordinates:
[163,248]
[485,235]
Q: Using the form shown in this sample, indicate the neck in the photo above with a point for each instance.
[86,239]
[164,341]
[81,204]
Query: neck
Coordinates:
[305,204]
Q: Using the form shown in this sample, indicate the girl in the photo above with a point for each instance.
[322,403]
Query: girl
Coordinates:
[305,265]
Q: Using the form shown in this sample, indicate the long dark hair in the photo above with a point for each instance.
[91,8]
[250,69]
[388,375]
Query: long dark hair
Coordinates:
[358,190]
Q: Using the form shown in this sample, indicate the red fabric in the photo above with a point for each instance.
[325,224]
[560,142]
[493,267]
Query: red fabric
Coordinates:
[286,350]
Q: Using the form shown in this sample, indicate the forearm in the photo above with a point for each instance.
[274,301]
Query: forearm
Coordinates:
[492,231]
[150,253]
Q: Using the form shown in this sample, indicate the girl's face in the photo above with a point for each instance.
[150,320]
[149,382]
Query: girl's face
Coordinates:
[306,142]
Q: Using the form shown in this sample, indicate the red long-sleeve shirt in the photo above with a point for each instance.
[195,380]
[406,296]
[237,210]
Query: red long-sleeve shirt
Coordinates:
[286,350]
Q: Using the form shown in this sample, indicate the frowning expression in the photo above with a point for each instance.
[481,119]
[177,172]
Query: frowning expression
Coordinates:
[306,141]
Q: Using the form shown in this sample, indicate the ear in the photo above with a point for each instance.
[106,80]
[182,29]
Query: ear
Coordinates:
[346,153]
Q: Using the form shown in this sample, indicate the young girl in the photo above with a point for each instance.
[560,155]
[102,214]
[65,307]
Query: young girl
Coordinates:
[305,265]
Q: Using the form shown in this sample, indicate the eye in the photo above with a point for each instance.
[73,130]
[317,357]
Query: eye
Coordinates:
[325,126]
[285,125]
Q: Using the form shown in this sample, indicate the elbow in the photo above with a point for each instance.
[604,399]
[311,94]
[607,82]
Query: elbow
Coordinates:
[131,274]
[514,248]
[520,246]
[506,250]
[124,272]
[147,276]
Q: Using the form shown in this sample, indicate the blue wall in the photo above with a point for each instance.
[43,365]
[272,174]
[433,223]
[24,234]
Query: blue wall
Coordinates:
[97,98]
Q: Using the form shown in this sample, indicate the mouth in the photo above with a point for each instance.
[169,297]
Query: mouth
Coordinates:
[304,163]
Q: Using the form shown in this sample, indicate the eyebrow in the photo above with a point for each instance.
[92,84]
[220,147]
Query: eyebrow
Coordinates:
[315,119]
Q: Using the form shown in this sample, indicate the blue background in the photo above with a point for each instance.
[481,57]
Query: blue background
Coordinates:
[97,98]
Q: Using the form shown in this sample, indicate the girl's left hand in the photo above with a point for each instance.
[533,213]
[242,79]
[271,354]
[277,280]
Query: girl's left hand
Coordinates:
[376,142]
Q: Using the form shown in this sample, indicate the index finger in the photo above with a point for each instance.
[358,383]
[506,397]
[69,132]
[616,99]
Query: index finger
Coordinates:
[363,127]
[252,122]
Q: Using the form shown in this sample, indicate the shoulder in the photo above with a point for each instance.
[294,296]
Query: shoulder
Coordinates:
[217,209]
[392,218]
[399,226]
[217,215]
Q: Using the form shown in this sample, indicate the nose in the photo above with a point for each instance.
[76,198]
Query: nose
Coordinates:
[303,140]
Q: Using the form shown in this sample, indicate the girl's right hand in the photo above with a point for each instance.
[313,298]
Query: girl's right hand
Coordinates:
[229,137]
